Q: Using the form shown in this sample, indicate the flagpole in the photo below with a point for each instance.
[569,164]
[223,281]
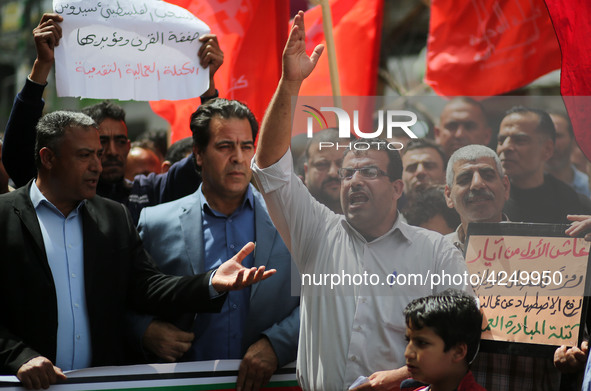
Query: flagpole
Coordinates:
[330,49]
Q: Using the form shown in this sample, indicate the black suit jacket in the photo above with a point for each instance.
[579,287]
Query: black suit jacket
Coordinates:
[118,275]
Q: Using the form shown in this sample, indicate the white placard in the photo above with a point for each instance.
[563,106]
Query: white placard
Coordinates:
[132,49]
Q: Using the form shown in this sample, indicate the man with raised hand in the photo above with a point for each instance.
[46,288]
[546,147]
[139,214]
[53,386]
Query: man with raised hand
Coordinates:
[349,329]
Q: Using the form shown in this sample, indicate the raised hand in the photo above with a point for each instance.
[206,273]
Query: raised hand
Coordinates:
[297,65]
[46,36]
[231,275]
[210,55]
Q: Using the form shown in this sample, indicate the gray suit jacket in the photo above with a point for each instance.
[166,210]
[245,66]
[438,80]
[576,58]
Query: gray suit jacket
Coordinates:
[172,234]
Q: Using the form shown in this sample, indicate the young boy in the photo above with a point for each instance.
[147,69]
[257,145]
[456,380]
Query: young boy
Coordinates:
[443,333]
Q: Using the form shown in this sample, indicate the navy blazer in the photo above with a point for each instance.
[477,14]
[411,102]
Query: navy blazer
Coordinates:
[118,275]
[172,234]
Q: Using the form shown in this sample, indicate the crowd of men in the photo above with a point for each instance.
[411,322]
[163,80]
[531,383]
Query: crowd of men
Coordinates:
[82,287]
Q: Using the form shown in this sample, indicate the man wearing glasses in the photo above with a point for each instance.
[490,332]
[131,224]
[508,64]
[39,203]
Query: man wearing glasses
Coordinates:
[354,267]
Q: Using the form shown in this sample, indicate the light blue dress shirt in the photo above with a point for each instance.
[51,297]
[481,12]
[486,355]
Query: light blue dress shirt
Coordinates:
[63,241]
[219,336]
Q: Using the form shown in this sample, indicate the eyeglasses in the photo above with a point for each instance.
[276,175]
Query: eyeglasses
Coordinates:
[370,172]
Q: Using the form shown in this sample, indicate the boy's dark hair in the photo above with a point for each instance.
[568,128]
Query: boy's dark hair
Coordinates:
[453,315]
[424,204]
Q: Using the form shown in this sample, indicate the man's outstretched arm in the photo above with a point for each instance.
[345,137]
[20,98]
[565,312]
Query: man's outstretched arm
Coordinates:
[275,135]
[19,139]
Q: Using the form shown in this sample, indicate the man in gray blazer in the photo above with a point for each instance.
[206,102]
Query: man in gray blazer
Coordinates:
[193,234]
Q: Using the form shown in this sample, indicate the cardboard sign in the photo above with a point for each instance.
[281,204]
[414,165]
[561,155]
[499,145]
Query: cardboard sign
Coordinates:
[142,50]
[531,281]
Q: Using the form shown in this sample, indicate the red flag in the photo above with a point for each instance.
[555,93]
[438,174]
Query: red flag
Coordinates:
[357,28]
[575,77]
[488,47]
[252,37]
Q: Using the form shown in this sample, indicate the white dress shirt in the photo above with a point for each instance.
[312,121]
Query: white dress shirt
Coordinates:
[349,331]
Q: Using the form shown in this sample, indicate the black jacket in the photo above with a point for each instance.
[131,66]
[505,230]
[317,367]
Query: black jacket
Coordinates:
[118,274]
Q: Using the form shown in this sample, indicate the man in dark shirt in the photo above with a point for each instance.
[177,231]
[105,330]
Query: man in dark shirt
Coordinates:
[525,143]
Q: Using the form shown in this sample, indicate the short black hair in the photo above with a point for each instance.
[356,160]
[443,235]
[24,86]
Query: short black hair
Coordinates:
[423,205]
[52,127]
[423,143]
[470,101]
[545,126]
[179,149]
[105,109]
[360,146]
[223,108]
[453,315]
[564,116]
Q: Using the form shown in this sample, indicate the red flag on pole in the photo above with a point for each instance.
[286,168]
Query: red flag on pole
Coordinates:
[252,37]
[357,28]
[488,47]
[575,76]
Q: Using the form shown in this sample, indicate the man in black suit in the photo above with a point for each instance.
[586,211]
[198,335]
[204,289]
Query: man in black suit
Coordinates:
[72,264]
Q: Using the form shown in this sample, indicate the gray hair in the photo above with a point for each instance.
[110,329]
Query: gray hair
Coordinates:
[52,127]
[471,153]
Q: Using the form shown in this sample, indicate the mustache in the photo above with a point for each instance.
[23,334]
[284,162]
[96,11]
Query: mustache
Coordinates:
[482,194]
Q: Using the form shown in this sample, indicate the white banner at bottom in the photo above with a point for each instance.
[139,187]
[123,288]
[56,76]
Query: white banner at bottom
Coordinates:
[188,376]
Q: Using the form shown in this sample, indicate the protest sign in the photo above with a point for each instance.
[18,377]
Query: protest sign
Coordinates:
[202,375]
[531,281]
[139,49]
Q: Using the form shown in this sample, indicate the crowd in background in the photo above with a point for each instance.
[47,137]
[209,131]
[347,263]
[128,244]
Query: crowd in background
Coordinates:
[465,170]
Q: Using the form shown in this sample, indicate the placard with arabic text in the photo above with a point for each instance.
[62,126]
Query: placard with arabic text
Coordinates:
[531,281]
[134,49]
